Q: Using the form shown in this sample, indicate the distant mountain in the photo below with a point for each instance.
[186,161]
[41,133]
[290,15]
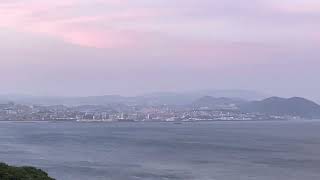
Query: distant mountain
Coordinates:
[295,106]
[218,103]
[229,93]
[160,98]
[184,98]
[234,93]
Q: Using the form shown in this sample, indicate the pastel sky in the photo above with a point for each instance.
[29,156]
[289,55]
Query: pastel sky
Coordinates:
[95,47]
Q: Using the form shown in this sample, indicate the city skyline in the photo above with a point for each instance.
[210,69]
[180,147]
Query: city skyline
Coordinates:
[99,47]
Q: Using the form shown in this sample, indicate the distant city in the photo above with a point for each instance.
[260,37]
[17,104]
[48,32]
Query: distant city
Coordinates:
[90,113]
[205,108]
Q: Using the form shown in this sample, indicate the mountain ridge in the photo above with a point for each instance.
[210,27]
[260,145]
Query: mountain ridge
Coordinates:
[294,106]
[158,98]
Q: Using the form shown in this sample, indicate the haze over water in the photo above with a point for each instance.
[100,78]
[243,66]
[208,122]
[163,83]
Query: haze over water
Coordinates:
[158,151]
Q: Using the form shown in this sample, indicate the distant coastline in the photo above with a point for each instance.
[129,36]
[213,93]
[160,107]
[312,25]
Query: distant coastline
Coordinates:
[165,122]
[206,108]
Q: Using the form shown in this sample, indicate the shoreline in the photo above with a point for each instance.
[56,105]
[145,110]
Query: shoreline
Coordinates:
[173,122]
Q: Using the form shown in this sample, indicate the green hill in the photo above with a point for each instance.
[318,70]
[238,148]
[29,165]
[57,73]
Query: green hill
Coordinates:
[22,173]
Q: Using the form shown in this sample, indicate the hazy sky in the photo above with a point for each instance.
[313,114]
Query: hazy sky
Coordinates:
[92,47]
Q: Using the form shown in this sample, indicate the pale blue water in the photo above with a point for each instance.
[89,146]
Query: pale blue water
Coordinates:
[165,151]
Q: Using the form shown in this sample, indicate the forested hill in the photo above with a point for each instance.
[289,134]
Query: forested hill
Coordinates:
[22,173]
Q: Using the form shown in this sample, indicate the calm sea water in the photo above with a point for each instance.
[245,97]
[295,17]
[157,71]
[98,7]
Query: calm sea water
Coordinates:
[165,151]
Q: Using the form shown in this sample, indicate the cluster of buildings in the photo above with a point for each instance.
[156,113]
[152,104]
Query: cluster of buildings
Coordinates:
[110,113]
[18,112]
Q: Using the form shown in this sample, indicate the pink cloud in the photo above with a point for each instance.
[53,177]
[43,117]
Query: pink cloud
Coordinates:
[83,30]
[119,25]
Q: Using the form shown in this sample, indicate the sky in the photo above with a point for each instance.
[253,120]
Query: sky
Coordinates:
[97,47]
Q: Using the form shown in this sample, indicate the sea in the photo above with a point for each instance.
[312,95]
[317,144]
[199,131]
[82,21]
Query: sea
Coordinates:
[249,150]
